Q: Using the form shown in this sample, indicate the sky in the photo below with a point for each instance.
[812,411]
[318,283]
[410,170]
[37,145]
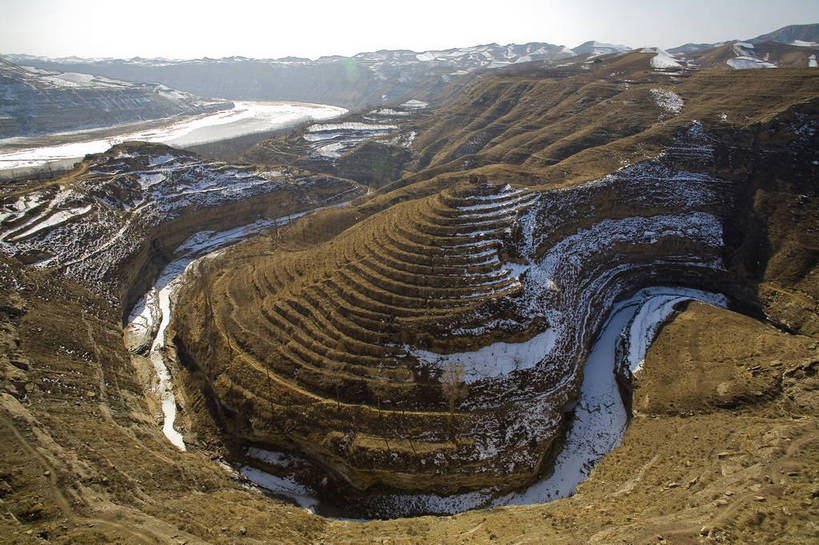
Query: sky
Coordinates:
[184,29]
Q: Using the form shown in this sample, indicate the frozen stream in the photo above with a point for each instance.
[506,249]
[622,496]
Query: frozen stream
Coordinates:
[151,316]
[244,118]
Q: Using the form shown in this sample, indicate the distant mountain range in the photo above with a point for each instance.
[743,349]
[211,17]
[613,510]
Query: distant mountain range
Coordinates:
[28,103]
[354,82]
[799,35]
[365,79]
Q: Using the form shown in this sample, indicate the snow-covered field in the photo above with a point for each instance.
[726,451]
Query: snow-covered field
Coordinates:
[244,118]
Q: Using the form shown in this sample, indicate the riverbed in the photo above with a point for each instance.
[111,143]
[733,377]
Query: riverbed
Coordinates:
[20,153]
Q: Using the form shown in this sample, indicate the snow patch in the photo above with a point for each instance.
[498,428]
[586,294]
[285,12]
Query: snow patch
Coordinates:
[496,360]
[664,60]
[304,496]
[414,104]
[667,100]
[53,220]
[350,126]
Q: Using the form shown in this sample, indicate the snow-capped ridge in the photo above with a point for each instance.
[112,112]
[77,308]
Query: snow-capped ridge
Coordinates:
[596,49]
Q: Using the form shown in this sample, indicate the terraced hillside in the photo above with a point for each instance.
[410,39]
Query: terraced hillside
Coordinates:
[535,123]
[334,336]
[372,341]
[373,148]
[430,337]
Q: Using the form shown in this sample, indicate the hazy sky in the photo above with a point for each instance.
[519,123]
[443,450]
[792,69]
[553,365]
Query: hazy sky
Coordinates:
[311,28]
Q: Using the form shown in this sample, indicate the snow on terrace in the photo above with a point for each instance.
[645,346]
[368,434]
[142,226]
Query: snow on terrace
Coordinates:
[332,140]
[60,208]
[498,359]
[350,126]
[53,220]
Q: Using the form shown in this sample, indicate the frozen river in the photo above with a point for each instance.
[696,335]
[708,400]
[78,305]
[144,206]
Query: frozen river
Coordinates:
[244,118]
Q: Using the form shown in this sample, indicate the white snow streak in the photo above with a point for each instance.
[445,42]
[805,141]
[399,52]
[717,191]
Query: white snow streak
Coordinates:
[664,60]
[303,495]
[747,62]
[496,360]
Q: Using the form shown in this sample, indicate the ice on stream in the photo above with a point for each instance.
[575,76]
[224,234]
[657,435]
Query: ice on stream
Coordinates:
[282,486]
[600,417]
[151,316]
